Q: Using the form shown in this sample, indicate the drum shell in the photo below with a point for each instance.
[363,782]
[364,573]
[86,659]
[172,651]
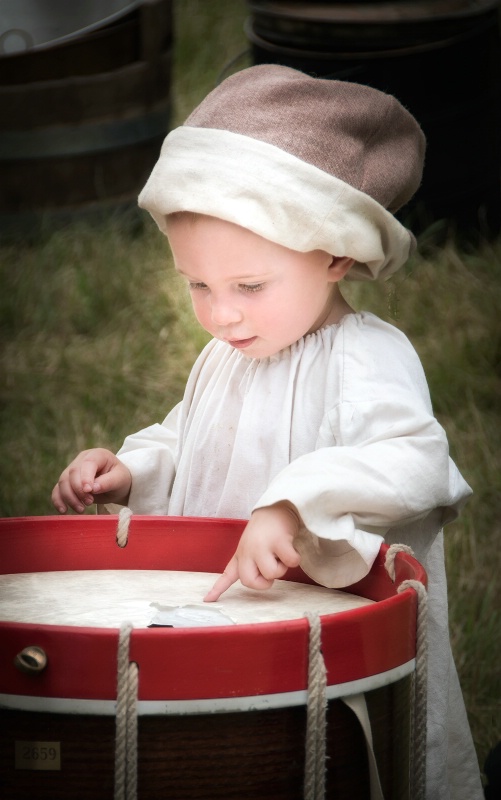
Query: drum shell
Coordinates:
[441,60]
[227,755]
[257,752]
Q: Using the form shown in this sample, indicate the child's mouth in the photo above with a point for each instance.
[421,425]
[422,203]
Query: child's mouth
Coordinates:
[240,344]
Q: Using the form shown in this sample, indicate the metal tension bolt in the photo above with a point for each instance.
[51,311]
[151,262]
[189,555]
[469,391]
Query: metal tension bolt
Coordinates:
[32,660]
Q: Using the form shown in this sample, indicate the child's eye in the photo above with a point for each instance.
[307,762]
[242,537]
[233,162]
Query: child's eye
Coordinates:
[251,287]
[193,286]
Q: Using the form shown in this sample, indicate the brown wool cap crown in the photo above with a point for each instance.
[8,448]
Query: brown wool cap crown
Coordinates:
[358,134]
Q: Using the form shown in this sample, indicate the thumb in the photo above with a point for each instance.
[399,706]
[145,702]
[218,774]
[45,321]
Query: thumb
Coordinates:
[94,465]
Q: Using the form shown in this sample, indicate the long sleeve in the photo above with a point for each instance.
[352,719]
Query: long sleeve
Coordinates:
[150,456]
[351,494]
[388,465]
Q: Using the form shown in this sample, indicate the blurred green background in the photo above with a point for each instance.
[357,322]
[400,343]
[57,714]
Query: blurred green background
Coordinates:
[97,339]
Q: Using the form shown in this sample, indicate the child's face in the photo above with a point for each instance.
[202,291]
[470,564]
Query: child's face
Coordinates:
[256,295]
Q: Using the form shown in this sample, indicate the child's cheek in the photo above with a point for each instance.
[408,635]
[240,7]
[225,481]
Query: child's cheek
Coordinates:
[203,314]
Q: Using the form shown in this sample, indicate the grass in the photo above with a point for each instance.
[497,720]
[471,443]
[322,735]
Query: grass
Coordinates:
[80,345]
[97,340]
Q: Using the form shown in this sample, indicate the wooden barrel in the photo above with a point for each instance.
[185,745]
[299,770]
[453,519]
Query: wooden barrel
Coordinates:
[440,58]
[221,710]
[82,122]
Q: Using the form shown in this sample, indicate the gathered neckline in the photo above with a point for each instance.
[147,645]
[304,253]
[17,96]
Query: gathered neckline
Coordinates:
[319,334]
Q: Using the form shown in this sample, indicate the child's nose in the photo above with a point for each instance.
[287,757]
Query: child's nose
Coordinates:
[224,312]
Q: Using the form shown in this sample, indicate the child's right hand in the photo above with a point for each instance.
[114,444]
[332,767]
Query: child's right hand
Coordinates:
[93,476]
[265,550]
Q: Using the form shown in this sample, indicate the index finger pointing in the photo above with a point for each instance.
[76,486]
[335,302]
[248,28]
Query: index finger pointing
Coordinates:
[227,579]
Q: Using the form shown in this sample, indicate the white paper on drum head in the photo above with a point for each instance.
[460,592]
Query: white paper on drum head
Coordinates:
[193,616]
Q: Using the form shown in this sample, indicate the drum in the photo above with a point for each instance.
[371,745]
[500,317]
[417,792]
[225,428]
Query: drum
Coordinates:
[216,698]
[86,104]
[440,58]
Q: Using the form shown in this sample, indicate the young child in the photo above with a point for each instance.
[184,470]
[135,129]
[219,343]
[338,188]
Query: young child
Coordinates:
[306,418]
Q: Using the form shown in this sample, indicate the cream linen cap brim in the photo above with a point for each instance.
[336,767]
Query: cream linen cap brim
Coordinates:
[276,195]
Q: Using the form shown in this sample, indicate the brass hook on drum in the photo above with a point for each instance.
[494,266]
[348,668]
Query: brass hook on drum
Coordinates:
[32,660]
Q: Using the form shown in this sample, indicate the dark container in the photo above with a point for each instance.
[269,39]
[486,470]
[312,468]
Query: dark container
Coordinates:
[83,120]
[440,58]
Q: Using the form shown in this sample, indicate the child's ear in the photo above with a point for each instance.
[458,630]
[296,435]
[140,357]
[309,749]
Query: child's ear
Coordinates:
[338,267]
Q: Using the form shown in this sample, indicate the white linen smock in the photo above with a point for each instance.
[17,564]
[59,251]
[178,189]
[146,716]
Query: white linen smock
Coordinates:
[340,424]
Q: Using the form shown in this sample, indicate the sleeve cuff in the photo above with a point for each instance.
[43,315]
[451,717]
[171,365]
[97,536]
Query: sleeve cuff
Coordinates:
[337,563]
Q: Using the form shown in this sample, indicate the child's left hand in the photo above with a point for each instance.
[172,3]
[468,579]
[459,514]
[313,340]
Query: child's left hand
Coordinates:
[265,551]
